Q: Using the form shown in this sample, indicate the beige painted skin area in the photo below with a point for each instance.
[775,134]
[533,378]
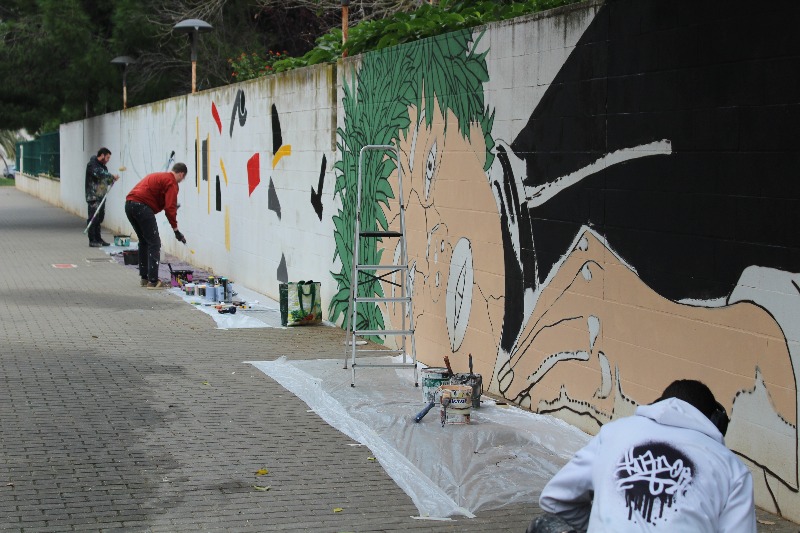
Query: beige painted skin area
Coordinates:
[442,172]
[641,335]
[637,333]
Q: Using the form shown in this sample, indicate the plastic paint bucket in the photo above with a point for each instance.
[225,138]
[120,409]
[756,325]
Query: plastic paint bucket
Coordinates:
[179,277]
[460,407]
[122,240]
[189,288]
[200,290]
[431,379]
[472,380]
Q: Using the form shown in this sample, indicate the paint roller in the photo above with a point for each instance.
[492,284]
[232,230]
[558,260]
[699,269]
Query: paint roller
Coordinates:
[424,412]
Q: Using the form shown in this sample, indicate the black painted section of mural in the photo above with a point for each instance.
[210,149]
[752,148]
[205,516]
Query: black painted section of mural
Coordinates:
[316,196]
[273,203]
[218,205]
[239,111]
[277,138]
[721,83]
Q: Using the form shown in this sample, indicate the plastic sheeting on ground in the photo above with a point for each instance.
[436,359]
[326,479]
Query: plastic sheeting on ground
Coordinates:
[261,312]
[505,456]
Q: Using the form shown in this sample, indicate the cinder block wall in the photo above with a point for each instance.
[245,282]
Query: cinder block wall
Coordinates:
[599,199]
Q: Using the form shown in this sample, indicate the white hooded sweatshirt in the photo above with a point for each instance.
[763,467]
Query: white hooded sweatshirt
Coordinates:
[664,469]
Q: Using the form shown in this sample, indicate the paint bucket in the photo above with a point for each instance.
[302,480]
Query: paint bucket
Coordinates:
[122,240]
[179,277]
[130,257]
[200,290]
[189,288]
[460,407]
[471,380]
[431,379]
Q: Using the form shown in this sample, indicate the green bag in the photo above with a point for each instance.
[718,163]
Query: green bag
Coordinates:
[301,304]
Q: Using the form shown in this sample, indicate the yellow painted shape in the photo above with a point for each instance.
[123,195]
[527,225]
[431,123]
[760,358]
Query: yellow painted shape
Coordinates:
[286,149]
[224,173]
[227,228]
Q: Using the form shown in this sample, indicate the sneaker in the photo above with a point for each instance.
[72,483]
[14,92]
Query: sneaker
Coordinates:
[157,285]
[143,282]
[104,243]
[95,244]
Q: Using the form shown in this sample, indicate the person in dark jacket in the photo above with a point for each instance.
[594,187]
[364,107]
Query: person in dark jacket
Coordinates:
[98,181]
[155,193]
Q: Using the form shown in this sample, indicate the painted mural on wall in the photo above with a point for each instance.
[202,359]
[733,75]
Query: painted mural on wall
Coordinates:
[637,227]
[235,175]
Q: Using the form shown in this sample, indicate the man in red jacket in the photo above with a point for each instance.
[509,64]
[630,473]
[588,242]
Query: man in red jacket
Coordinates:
[156,192]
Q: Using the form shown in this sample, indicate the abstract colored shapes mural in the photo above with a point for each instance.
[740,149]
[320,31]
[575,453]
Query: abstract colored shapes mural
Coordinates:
[239,111]
[215,115]
[316,196]
[273,202]
[253,173]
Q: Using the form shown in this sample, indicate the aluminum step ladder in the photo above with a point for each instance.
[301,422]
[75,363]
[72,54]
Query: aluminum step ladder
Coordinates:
[364,274]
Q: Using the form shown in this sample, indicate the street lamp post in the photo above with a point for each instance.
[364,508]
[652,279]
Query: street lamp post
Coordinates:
[345,23]
[124,61]
[193,27]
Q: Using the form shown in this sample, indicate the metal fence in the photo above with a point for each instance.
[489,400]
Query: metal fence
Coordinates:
[40,156]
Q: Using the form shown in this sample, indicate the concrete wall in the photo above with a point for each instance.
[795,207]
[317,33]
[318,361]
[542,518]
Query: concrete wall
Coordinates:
[599,200]
[48,189]
[255,151]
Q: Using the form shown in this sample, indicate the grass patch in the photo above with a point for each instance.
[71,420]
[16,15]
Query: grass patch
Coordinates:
[6,182]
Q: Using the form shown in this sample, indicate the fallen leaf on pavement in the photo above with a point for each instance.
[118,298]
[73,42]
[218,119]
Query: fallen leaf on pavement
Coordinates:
[262,489]
[337,509]
[262,472]
[766,522]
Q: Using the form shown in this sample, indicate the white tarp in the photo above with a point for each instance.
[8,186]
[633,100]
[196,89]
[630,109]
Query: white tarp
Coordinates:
[505,456]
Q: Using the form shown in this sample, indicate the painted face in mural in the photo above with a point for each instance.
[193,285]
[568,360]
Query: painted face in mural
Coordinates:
[456,255]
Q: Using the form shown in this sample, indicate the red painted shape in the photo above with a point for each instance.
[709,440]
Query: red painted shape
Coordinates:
[215,114]
[64,265]
[253,172]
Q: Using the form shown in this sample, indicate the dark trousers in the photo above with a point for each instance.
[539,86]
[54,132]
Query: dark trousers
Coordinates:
[94,229]
[144,224]
[550,523]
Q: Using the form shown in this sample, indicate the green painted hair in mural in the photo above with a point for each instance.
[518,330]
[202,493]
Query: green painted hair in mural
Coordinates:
[376,105]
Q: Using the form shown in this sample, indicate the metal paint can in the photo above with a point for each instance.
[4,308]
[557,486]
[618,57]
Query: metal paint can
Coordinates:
[431,379]
[472,380]
[459,408]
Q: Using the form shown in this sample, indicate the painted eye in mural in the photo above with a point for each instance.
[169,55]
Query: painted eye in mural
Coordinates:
[459,293]
[430,168]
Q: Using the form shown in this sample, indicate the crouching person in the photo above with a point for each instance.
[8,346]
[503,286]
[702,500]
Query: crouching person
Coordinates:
[666,468]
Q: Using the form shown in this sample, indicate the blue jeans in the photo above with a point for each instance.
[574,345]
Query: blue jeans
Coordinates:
[144,224]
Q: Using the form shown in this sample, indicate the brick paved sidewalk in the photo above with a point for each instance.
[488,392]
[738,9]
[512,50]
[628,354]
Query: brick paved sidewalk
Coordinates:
[126,409]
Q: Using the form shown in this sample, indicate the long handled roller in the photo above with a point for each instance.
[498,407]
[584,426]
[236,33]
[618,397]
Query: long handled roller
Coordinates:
[121,169]
[98,207]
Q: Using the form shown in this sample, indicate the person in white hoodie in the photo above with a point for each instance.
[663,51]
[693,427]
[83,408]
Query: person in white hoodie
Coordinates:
[666,468]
